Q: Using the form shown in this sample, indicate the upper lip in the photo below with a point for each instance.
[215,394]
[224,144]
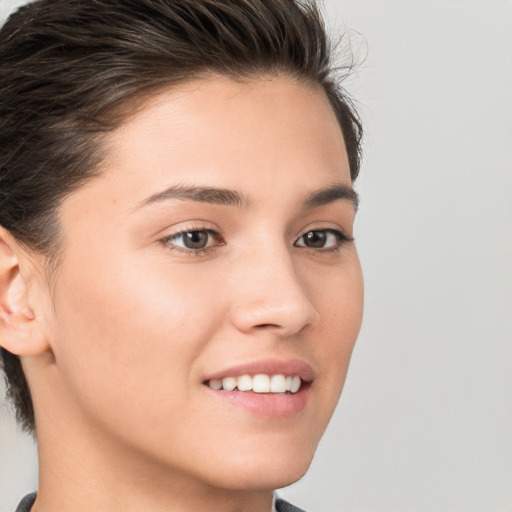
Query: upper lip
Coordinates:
[268,367]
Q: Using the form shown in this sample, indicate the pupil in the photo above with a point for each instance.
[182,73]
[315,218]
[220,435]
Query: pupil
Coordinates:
[315,238]
[195,239]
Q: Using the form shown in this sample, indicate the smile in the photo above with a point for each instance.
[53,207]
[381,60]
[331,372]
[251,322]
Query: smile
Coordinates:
[269,388]
[259,383]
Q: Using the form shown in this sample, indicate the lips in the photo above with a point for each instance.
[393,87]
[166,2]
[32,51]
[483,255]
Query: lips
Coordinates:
[288,367]
[270,388]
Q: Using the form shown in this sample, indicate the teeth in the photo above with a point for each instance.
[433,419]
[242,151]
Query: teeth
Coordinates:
[260,383]
[229,383]
[278,384]
[216,384]
[244,383]
[295,384]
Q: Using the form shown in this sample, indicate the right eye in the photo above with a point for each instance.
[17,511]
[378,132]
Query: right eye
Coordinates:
[193,241]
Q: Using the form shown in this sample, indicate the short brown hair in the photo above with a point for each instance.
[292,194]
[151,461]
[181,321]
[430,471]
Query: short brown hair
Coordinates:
[68,69]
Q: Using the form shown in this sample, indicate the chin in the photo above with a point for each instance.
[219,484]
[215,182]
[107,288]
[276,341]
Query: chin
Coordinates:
[265,480]
[272,471]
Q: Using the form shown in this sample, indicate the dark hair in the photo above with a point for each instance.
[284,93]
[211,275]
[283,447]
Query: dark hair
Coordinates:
[73,70]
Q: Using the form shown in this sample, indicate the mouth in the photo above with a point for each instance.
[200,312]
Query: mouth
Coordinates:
[259,383]
[272,389]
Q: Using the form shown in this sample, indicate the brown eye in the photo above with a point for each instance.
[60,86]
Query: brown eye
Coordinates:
[315,239]
[195,239]
[323,239]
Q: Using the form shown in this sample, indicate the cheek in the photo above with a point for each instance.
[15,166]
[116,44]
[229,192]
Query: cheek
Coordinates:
[132,332]
[339,298]
[338,293]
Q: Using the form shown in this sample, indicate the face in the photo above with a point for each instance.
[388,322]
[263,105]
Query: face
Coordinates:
[216,244]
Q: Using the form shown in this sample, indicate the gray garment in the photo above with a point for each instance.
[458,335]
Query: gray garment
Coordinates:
[28,501]
[284,506]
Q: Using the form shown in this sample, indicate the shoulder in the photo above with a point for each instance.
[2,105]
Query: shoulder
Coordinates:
[284,506]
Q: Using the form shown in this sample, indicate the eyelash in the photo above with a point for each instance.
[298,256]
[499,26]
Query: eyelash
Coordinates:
[342,239]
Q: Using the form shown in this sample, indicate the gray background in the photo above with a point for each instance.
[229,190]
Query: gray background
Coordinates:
[425,421]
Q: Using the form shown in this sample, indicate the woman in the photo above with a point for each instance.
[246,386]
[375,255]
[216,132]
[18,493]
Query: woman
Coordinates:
[180,290]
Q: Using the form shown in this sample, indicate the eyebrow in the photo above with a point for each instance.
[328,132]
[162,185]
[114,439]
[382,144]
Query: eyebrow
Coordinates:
[331,194]
[227,197]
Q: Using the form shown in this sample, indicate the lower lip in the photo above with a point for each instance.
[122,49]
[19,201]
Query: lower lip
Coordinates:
[267,405]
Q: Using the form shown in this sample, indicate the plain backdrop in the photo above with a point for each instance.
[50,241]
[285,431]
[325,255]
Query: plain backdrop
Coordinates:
[425,420]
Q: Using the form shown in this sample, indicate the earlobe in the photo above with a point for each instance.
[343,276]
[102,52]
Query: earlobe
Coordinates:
[20,332]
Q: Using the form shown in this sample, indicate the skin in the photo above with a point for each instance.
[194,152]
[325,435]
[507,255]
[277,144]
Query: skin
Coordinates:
[117,347]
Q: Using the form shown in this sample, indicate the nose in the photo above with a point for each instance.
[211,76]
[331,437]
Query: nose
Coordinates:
[271,297]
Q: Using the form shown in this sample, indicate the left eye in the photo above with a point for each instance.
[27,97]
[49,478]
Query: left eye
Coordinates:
[321,239]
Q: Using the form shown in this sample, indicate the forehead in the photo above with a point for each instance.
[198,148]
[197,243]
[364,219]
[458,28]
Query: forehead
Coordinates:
[218,100]
[254,136]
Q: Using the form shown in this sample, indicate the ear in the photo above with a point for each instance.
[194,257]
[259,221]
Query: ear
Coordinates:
[21,332]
